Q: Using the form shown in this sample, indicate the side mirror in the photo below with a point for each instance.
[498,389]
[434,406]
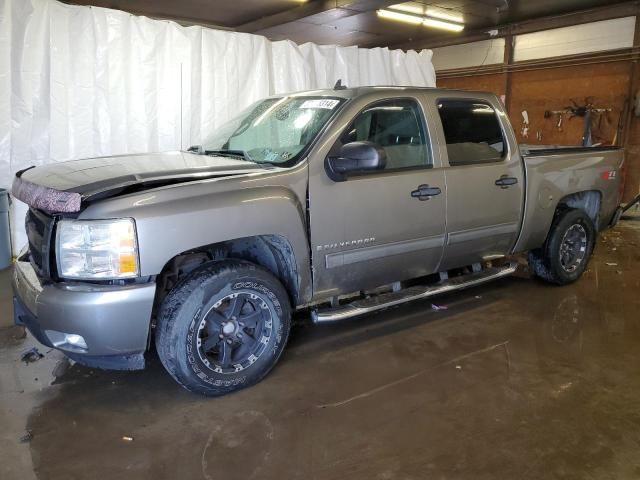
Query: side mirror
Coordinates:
[355,157]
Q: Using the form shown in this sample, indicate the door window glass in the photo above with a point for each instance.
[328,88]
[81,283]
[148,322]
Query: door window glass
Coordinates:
[396,126]
[472,132]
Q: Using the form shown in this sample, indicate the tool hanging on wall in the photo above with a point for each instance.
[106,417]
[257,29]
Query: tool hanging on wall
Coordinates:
[559,113]
[525,124]
[585,111]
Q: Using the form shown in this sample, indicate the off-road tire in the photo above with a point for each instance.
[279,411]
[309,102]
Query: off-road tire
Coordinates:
[176,334]
[545,262]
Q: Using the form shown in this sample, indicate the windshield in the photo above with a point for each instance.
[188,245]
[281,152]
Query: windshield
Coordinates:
[275,130]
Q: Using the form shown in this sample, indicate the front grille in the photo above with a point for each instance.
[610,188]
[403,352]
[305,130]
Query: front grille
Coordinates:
[39,228]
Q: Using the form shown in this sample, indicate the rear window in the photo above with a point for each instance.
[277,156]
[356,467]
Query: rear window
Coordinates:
[472,132]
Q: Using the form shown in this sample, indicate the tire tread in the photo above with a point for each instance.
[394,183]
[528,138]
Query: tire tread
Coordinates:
[166,339]
[543,261]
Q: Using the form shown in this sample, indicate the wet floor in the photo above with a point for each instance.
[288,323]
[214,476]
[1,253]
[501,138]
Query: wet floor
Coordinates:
[516,379]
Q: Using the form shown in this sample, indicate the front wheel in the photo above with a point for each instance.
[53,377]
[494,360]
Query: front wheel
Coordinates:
[223,327]
[564,256]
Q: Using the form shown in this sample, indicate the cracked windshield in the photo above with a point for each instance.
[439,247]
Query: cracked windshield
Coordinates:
[276,130]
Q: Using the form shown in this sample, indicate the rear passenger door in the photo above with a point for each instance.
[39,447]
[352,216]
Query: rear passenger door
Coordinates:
[485,181]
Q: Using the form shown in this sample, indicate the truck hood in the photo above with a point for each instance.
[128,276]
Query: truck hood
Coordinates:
[61,187]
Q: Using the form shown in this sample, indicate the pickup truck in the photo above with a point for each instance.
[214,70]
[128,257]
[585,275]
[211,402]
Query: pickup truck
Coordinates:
[336,202]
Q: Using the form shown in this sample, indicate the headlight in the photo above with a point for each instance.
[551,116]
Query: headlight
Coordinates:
[97,249]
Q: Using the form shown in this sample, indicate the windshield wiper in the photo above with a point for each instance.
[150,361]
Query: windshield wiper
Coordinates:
[241,154]
[198,149]
[230,153]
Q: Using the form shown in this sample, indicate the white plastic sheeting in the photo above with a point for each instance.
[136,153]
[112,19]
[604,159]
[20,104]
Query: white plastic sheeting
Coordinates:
[80,82]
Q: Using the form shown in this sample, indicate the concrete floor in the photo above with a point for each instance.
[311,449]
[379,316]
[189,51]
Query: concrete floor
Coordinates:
[516,379]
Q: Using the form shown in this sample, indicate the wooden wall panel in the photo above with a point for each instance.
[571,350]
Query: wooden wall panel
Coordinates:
[494,83]
[605,85]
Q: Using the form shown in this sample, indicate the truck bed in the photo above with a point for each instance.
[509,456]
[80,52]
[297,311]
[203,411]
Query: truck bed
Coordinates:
[545,150]
[589,176]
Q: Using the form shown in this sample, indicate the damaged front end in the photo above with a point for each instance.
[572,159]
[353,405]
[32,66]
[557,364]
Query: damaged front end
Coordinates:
[44,198]
[97,324]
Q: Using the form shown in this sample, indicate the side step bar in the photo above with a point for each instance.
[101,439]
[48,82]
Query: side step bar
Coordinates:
[385,300]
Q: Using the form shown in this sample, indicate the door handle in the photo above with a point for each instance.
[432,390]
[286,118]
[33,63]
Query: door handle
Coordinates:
[505,181]
[425,192]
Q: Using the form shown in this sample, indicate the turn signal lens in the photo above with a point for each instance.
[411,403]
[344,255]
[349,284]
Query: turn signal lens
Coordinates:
[128,264]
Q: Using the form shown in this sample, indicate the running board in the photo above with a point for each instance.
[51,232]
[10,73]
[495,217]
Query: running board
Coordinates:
[385,300]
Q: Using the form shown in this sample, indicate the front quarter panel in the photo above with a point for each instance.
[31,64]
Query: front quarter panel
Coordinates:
[183,217]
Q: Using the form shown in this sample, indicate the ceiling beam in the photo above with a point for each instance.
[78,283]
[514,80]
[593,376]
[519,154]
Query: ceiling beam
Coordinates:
[350,7]
[576,18]
[626,9]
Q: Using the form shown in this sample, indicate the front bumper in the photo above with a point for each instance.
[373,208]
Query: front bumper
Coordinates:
[113,321]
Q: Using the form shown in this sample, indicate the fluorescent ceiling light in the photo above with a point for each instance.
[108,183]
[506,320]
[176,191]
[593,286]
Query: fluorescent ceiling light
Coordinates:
[452,27]
[409,7]
[443,14]
[426,21]
[402,17]
[430,11]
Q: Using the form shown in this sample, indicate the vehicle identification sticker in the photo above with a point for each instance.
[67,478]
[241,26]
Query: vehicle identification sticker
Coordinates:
[326,103]
[271,156]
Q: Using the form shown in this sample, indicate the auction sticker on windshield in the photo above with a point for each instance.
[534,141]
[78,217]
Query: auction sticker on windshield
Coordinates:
[327,103]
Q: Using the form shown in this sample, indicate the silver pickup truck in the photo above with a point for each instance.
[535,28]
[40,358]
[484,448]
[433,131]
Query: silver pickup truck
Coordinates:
[337,202]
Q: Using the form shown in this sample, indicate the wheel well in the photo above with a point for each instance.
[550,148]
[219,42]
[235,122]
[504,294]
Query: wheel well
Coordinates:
[272,252]
[588,201]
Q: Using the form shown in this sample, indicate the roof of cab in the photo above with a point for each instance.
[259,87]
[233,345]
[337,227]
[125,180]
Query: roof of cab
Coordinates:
[360,91]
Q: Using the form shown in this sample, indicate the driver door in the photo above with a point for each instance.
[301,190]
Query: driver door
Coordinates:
[376,228]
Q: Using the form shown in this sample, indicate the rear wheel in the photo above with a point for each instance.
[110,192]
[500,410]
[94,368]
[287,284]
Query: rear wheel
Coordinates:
[223,327]
[564,256]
